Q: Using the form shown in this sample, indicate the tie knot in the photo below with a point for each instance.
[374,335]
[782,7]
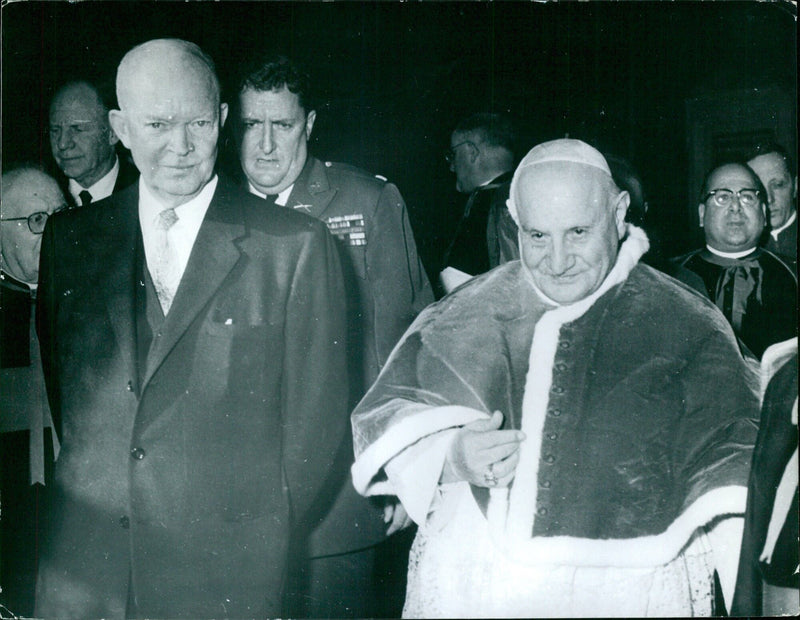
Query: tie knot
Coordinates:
[166,219]
[85,197]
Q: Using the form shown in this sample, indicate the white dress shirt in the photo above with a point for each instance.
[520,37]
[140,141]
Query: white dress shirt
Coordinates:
[183,233]
[102,189]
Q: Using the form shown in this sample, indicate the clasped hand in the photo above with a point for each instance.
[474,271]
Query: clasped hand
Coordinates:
[482,454]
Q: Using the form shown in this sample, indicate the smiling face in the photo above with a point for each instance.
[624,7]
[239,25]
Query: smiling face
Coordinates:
[781,187]
[570,228]
[735,227]
[80,136]
[170,121]
[273,138]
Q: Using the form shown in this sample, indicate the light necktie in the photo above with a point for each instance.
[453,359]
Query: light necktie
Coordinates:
[85,197]
[166,270]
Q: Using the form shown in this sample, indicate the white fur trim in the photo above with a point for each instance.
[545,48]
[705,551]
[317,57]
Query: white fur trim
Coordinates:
[426,421]
[641,552]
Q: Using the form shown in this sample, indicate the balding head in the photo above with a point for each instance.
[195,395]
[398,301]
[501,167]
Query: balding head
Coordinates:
[571,218]
[27,192]
[169,117]
[81,139]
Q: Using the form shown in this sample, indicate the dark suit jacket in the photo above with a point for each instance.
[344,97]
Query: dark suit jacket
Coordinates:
[187,477]
[786,245]
[386,288]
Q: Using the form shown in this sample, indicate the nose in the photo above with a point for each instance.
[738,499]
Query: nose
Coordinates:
[65,139]
[181,140]
[267,144]
[735,205]
[560,257]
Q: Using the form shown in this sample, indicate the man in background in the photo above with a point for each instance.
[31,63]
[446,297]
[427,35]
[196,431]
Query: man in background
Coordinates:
[481,155]
[386,289]
[27,443]
[84,145]
[773,165]
[754,289]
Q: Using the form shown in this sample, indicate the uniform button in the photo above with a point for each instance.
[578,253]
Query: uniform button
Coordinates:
[129,387]
[125,523]
[546,484]
[552,436]
[542,511]
[558,389]
[138,454]
[555,412]
[549,458]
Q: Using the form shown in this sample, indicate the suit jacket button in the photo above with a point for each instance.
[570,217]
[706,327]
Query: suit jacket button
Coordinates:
[125,523]
[137,453]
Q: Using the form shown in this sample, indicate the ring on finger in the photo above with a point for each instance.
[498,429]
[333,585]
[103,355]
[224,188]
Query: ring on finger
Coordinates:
[489,477]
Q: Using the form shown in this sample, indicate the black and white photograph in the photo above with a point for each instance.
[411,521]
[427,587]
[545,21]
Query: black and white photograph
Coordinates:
[434,309]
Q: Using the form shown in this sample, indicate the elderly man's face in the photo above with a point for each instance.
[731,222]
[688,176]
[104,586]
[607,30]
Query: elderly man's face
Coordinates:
[274,133]
[80,136]
[570,228]
[171,124]
[31,192]
[734,227]
[781,186]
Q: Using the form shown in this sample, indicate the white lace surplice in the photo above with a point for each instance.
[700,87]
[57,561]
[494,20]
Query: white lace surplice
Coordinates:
[456,571]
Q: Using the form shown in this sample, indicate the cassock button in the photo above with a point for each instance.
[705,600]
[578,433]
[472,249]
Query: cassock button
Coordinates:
[125,523]
[555,412]
[542,511]
[558,389]
[552,436]
[549,459]
[564,344]
[561,367]
[546,484]
[138,454]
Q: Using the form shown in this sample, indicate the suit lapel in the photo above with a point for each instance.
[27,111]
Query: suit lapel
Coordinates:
[118,275]
[312,193]
[213,256]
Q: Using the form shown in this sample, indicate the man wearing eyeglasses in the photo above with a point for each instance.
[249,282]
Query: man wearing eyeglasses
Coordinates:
[84,145]
[754,289]
[27,444]
[481,155]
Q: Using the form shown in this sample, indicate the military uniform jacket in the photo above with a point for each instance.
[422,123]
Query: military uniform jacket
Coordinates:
[185,476]
[386,288]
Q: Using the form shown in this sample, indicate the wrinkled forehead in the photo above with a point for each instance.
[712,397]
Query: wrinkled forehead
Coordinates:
[771,164]
[561,179]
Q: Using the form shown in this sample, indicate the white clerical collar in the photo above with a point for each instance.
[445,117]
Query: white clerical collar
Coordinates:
[280,200]
[741,254]
[102,189]
[777,231]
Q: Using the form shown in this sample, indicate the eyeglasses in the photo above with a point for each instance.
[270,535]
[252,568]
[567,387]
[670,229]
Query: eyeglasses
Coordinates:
[724,197]
[36,221]
[450,154]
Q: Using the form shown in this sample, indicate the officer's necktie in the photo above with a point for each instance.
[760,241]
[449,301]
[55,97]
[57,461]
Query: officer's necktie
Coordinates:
[166,271]
[85,197]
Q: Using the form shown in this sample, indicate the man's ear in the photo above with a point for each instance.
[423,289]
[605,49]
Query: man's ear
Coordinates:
[474,152]
[119,125]
[621,205]
[701,212]
[310,118]
[223,114]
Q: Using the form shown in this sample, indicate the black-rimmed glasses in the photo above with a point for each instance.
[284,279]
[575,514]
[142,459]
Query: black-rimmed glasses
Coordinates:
[450,154]
[36,221]
[723,197]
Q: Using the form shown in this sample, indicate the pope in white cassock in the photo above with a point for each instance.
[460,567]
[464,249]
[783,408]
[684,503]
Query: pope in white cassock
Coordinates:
[572,431]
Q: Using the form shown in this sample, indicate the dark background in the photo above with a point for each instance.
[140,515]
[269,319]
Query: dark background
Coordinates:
[395,77]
